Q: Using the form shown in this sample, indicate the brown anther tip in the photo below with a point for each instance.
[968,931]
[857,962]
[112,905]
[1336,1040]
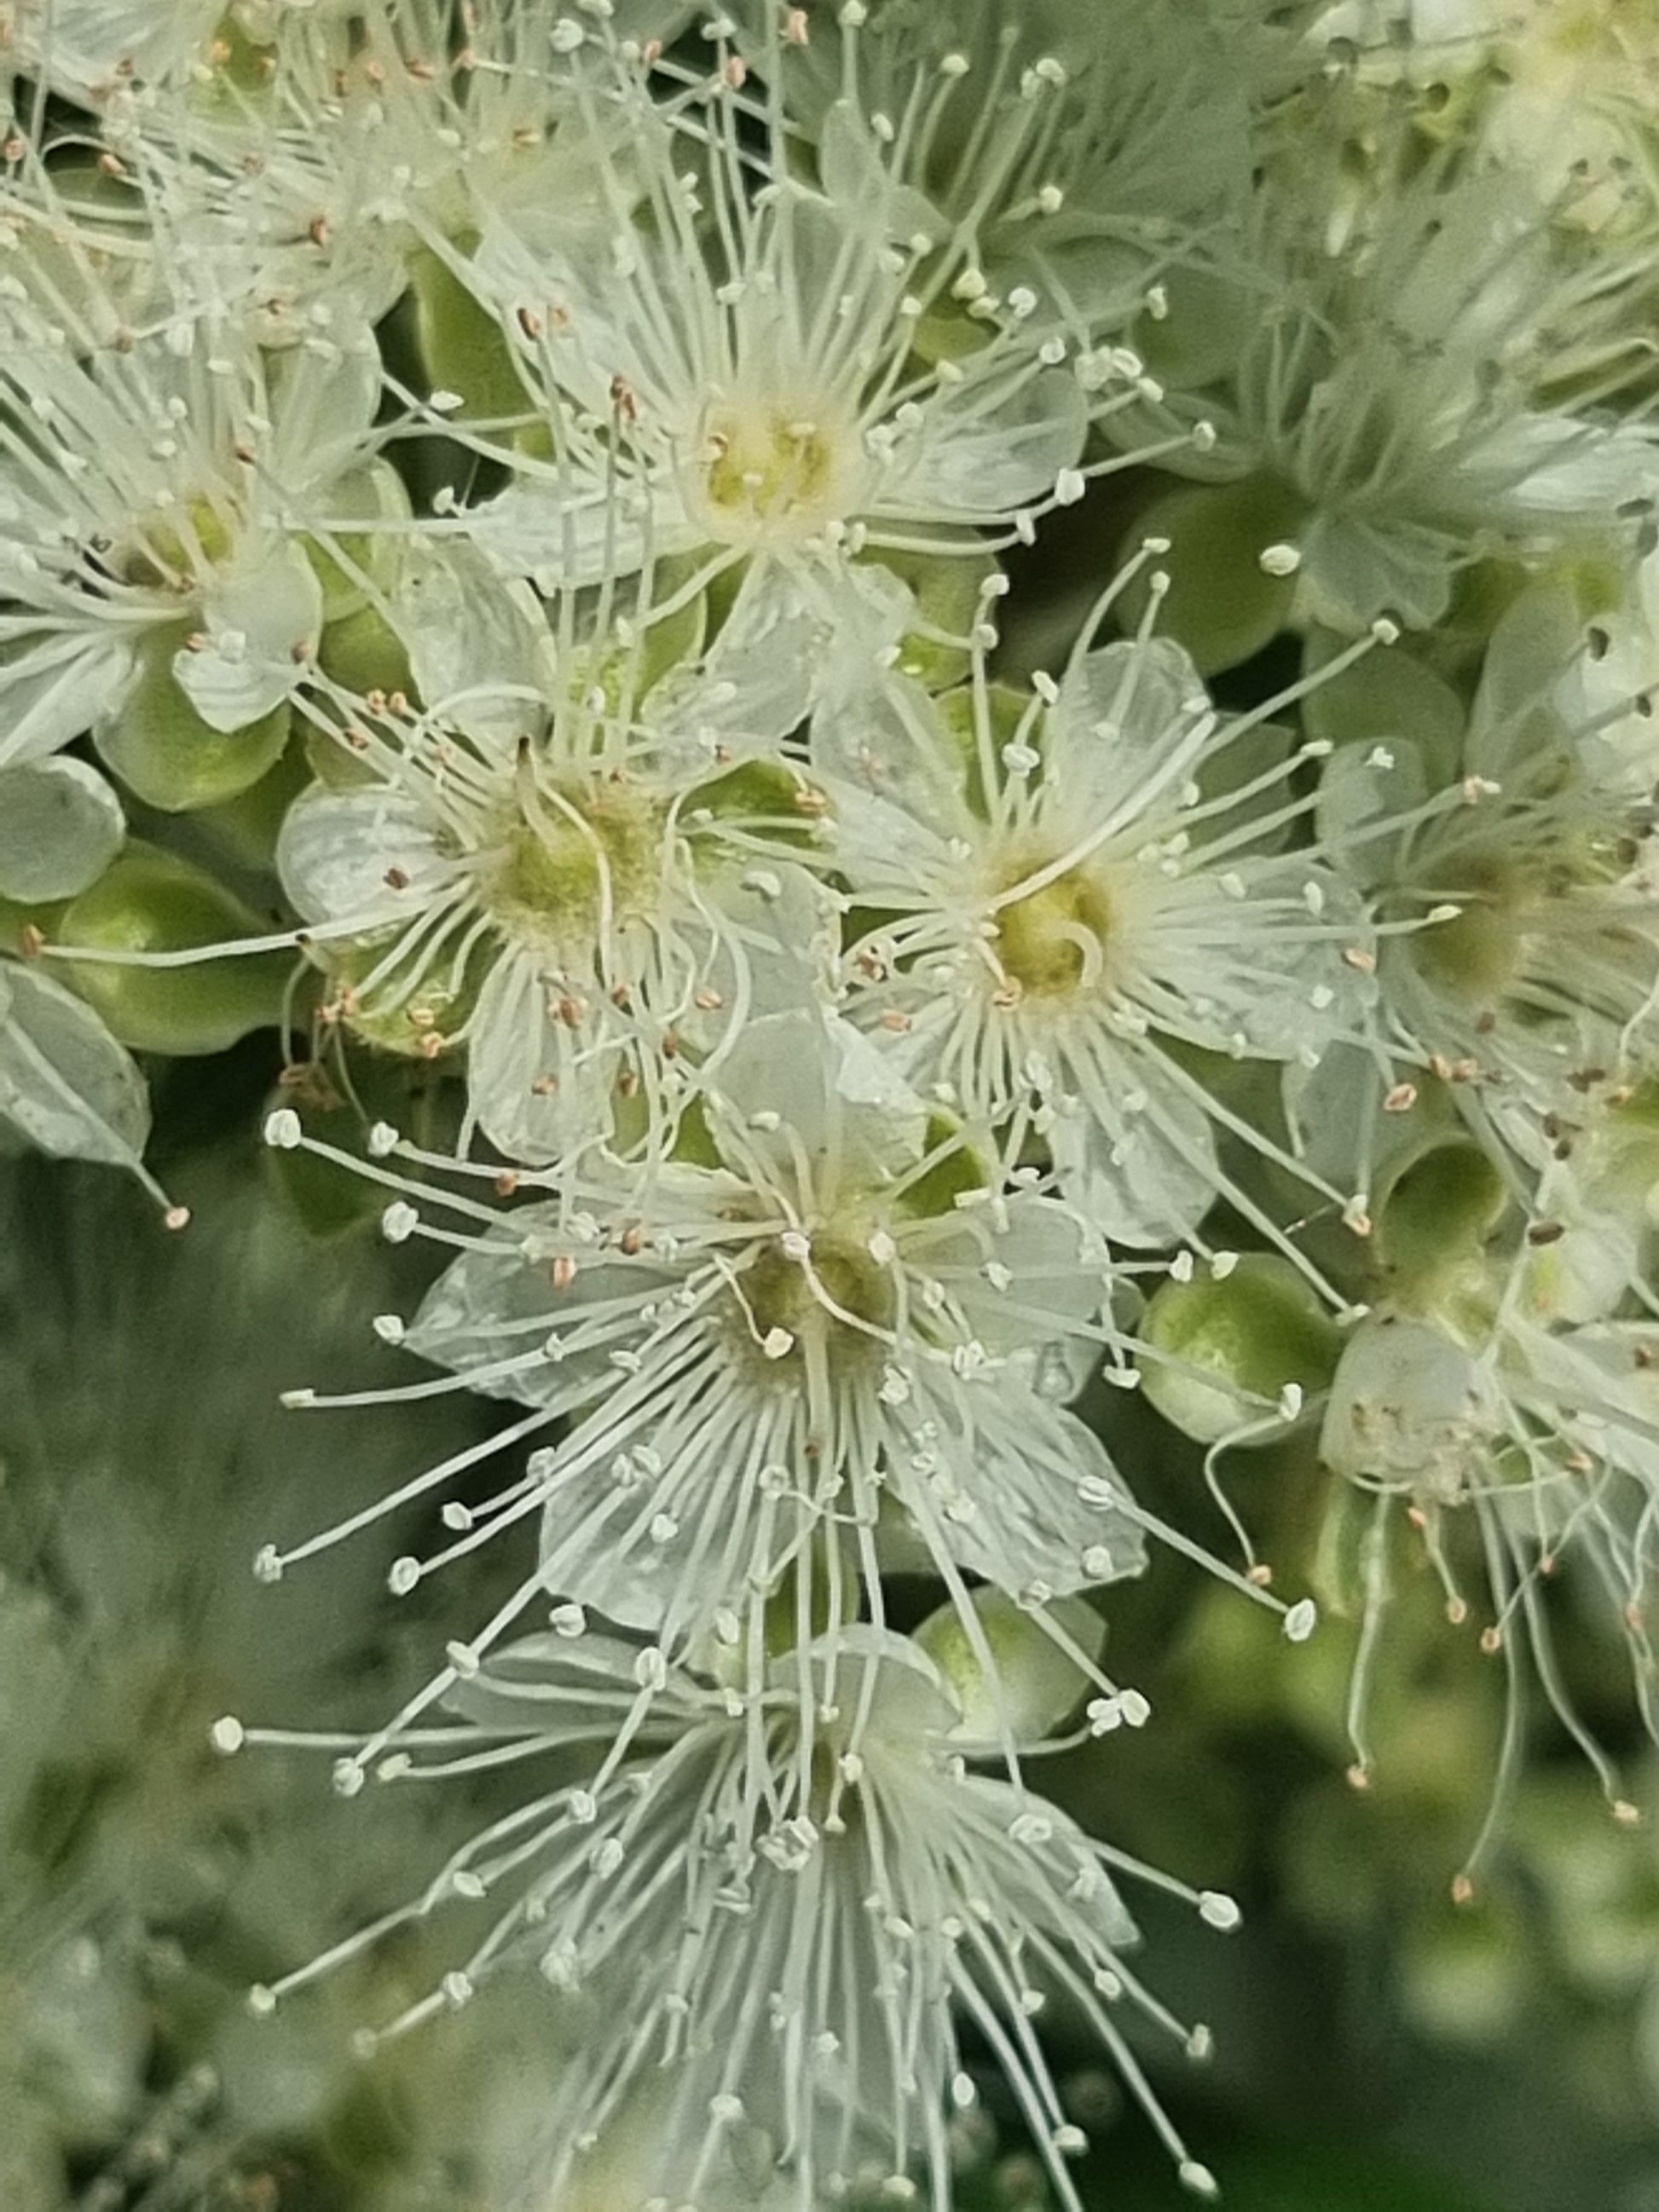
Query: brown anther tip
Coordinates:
[1416,1516]
[1546,1232]
[564,1272]
[1260,1575]
[1356,957]
[318,231]
[1456,1612]
[31,940]
[397,879]
[1491,1641]
[1400,1099]
[1356,1778]
[1462,1891]
[507,1182]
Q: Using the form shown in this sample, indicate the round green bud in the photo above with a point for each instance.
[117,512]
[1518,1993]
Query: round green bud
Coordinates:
[1229,1350]
[150,901]
[1033,1685]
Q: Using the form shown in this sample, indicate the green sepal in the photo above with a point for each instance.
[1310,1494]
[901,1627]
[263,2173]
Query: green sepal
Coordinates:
[152,902]
[1255,1331]
[462,345]
[947,592]
[167,756]
[959,1171]
[1385,694]
[360,652]
[1206,327]
[1434,1225]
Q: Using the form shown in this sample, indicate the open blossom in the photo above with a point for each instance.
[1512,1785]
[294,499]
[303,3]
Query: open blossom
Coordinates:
[830,1338]
[774,1910]
[1532,985]
[585,877]
[733,360]
[167,505]
[1428,383]
[1074,889]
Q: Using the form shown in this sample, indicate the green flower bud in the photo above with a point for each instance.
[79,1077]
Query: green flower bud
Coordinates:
[1036,1684]
[150,901]
[1236,1346]
[463,347]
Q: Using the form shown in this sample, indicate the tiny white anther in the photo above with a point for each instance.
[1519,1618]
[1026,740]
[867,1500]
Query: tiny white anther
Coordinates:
[382,1140]
[283,1130]
[389,1328]
[1280,560]
[402,1574]
[400,1222]
[1069,487]
[227,1735]
[1301,1620]
[567,1620]
[1217,1910]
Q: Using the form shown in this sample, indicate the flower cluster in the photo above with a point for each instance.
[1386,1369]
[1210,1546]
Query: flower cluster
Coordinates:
[515,529]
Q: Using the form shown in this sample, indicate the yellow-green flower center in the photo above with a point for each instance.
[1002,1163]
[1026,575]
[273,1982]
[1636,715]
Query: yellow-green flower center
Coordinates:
[1054,940]
[554,877]
[768,472]
[789,1297]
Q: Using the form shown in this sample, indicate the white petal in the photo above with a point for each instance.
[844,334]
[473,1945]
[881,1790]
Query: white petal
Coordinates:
[261,620]
[52,692]
[980,452]
[64,1081]
[338,851]
[540,1089]
[60,827]
[536,529]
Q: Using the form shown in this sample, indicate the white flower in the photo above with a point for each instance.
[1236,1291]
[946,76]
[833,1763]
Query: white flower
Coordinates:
[1518,958]
[737,364]
[1558,93]
[777,1907]
[584,878]
[1521,1443]
[831,1337]
[1409,383]
[1085,883]
[166,507]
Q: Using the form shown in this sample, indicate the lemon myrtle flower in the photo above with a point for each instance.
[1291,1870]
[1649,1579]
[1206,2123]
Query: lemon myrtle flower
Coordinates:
[774,1909]
[729,364]
[1530,988]
[1076,889]
[166,505]
[1427,384]
[587,878]
[829,1338]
